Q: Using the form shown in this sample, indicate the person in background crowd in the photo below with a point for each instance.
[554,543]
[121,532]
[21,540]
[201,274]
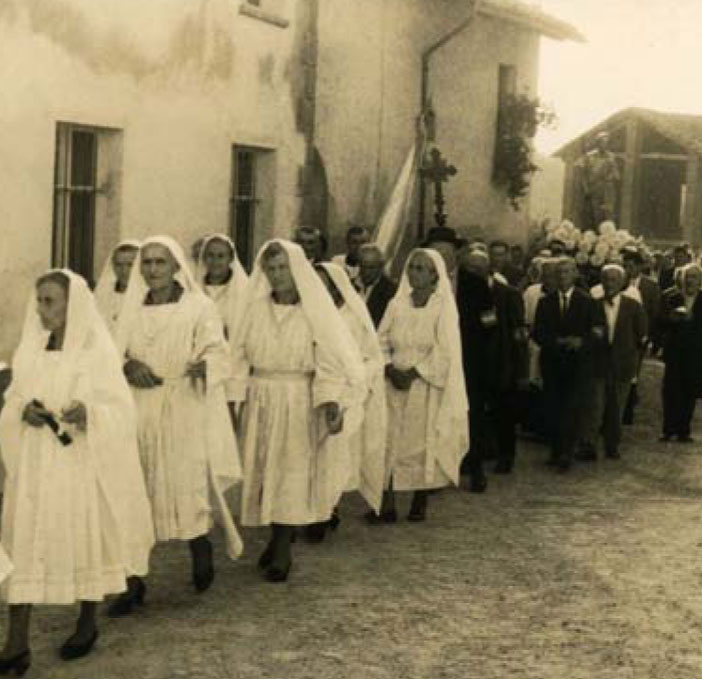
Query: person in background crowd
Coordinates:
[367,446]
[681,257]
[619,334]
[650,293]
[376,288]
[427,403]
[496,356]
[76,521]
[112,284]
[312,242]
[500,263]
[563,330]
[301,382]
[177,362]
[681,325]
[557,247]
[356,236]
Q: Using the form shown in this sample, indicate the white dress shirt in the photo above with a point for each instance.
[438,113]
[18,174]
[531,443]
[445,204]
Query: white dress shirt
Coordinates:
[611,309]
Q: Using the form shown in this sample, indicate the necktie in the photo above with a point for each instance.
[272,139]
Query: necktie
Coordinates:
[564,304]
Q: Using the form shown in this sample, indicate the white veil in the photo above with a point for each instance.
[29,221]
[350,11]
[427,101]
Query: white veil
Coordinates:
[374,433]
[91,372]
[447,441]
[107,280]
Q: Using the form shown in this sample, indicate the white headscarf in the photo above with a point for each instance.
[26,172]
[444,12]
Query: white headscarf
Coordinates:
[375,419]
[447,440]
[105,289]
[91,372]
[236,287]
[328,328]
[137,289]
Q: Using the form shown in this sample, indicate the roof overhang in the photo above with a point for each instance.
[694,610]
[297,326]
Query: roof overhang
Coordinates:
[531,17]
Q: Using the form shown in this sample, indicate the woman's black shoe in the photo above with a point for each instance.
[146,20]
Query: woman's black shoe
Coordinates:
[266,557]
[335,520]
[316,532]
[389,516]
[125,603]
[418,509]
[73,651]
[276,573]
[17,664]
[203,568]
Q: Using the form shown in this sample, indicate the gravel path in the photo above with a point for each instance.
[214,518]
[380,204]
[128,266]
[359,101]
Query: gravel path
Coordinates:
[595,574]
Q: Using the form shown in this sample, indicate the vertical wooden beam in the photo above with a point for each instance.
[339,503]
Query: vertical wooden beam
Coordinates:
[568,208]
[629,193]
[692,219]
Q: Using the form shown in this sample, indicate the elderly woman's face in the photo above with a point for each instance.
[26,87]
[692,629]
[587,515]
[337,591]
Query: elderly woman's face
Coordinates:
[52,305]
[278,273]
[217,257]
[421,272]
[158,266]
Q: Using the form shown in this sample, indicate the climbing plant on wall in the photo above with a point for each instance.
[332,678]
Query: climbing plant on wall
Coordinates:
[519,118]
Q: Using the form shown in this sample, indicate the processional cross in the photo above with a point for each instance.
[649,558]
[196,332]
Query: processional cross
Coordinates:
[438,172]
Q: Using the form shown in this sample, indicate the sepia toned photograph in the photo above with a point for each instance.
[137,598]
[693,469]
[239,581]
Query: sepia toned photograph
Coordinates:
[350,339]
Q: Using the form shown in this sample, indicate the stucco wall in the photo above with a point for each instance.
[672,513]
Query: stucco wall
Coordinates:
[369,95]
[183,81]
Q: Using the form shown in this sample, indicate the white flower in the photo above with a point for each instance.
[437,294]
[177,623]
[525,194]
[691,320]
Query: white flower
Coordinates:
[581,258]
[596,260]
[567,225]
[601,248]
[569,244]
[607,228]
[585,246]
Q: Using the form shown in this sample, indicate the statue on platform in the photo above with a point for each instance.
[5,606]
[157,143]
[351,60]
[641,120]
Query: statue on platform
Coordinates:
[599,180]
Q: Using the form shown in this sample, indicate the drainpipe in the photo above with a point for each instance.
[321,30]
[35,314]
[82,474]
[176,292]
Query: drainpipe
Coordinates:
[424,103]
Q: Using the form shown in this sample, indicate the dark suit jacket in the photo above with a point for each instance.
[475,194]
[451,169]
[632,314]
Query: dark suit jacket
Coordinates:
[682,340]
[509,357]
[379,298]
[549,327]
[620,359]
[651,300]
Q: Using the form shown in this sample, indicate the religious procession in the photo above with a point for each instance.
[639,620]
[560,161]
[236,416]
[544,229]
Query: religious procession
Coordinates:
[346,339]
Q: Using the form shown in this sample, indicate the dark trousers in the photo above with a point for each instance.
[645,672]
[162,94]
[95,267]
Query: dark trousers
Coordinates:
[562,397]
[479,434]
[678,402]
[503,420]
[602,411]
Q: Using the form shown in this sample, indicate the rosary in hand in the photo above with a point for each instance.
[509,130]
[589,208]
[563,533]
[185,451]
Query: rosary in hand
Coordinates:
[61,434]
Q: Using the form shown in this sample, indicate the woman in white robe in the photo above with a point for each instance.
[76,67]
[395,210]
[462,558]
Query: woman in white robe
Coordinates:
[177,362]
[76,521]
[224,281]
[113,281]
[367,446]
[426,396]
[300,374]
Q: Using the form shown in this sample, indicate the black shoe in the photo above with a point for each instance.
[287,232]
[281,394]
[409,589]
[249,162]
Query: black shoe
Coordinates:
[613,454]
[203,568]
[266,558]
[276,573]
[685,439]
[126,602]
[552,462]
[316,532]
[17,664]
[73,651]
[503,468]
[388,516]
[665,438]
[335,520]
[563,466]
[418,509]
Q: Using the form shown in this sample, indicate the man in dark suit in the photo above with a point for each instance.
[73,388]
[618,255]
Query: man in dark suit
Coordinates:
[495,357]
[563,330]
[376,288]
[619,335]
[681,323]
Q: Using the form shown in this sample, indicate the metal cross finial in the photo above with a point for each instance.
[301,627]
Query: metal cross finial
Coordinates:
[438,172]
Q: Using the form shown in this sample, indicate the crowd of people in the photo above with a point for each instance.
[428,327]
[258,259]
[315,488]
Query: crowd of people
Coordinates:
[184,392]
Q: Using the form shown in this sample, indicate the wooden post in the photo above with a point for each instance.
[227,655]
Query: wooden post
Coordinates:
[629,194]
[691,226]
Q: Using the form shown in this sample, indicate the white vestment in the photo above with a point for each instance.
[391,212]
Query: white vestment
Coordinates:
[186,440]
[76,521]
[290,359]
[427,425]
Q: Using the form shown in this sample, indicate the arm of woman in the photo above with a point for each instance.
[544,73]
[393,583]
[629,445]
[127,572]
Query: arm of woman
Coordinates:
[434,367]
[211,355]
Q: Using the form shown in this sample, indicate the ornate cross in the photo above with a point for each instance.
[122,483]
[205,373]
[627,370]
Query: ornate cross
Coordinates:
[438,172]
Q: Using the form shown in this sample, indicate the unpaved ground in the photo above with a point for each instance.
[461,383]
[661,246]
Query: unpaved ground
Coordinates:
[596,574]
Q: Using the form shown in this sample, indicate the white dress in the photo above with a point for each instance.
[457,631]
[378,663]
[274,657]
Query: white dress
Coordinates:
[59,521]
[410,339]
[288,478]
[110,305]
[186,440]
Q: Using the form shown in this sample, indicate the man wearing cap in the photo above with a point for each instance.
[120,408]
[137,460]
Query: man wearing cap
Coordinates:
[619,332]
[600,176]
